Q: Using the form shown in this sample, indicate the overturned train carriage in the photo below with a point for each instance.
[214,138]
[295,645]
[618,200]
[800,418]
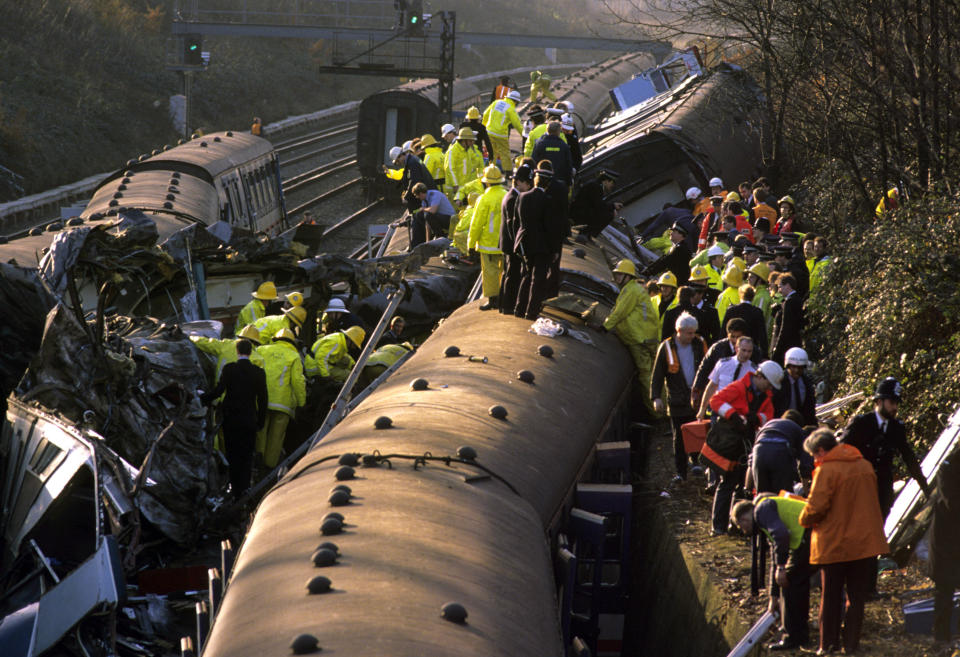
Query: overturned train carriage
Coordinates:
[421,533]
[706,126]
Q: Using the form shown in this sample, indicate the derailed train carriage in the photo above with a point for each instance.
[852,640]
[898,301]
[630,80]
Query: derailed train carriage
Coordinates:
[425,523]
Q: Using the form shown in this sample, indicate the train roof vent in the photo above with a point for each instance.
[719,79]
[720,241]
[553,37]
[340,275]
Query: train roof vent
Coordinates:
[305,644]
[229,133]
[350,459]
[467,453]
[216,139]
[168,205]
[319,584]
[203,144]
[323,558]
[344,473]
[454,612]
[339,498]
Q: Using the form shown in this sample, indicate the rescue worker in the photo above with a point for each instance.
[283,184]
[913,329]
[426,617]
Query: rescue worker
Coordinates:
[710,219]
[484,235]
[572,139]
[435,211]
[433,160]
[708,318]
[742,407]
[552,147]
[821,261]
[474,122]
[786,259]
[498,118]
[462,230]
[635,320]
[412,171]
[778,519]
[889,201]
[732,280]
[538,132]
[714,267]
[336,316]
[716,187]
[509,224]
[778,461]
[502,89]
[463,162]
[726,371]
[257,128]
[540,86]
[677,259]
[701,204]
[245,398]
[536,116]
[286,392]
[333,356]
[675,366]
[448,133]
[292,300]
[722,348]
[751,255]
[762,209]
[269,326]
[590,206]
[381,359]
[797,391]
[255,309]
[788,222]
[667,297]
[753,316]
[757,276]
[225,351]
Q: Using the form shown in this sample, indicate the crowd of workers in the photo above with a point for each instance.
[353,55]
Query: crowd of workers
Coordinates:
[255,414]
[717,328]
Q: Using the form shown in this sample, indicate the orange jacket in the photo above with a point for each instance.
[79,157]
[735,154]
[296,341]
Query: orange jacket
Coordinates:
[736,398]
[843,509]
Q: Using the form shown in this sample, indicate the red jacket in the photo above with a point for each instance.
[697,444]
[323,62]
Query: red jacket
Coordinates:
[736,398]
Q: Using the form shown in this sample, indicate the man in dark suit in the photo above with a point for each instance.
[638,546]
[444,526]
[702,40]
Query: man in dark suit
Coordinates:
[677,259]
[753,316]
[879,435]
[796,391]
[788,326]
[244,413]
[533,244]
[509,224]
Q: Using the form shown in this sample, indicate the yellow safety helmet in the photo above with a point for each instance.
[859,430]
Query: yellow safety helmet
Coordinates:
[761,271]
[297,315]
[733,276]
[466,133]
[492,175]
[787,199]
[473,113]
[295,298]
[250,333]
[427,140]
[626,267]
[286,335]
[739,263]
[732,196]
[266,292]
[699,273]
[356,335]
[667,278]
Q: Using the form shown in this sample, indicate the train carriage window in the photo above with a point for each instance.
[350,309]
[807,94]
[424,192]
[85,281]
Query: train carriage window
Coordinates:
[239,206]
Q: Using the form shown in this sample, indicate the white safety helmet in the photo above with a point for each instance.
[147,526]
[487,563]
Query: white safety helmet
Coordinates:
[395,152]
[515,95]
[568,105]
[715,251]
[716,182]
[336,306]
[407,146]
[693,193]
[796,356]
[446,129]
[566,122]
[771,372]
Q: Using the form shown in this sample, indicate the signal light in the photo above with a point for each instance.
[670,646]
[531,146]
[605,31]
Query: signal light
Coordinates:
[192,47]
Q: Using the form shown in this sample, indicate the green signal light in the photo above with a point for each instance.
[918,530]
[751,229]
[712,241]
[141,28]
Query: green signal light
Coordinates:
[414,19]
[193,46]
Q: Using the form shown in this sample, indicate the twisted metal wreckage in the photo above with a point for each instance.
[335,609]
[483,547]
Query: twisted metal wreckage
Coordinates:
[107,465]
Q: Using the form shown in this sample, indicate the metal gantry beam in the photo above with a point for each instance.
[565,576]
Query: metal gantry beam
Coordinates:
[472,38]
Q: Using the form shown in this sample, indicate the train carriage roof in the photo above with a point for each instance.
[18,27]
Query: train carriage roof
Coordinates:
[154,191]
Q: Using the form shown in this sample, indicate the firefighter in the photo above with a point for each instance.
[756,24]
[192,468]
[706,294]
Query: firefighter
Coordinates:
[286,392]
[540,86]
[475,123]
[463,162]
[333,356]
[267,292]
[271,325]
[732,280]
[433,159]
[498,118]
[484,236]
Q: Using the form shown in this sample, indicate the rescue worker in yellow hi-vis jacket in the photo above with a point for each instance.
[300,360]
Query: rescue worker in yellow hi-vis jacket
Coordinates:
[636,322]
[286,392]
[381,359]
[732,279]
[540,86]
[330,356]
[269,326]
[257,308]
[433,159]
[498,118]
[462,163]
[484,234]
